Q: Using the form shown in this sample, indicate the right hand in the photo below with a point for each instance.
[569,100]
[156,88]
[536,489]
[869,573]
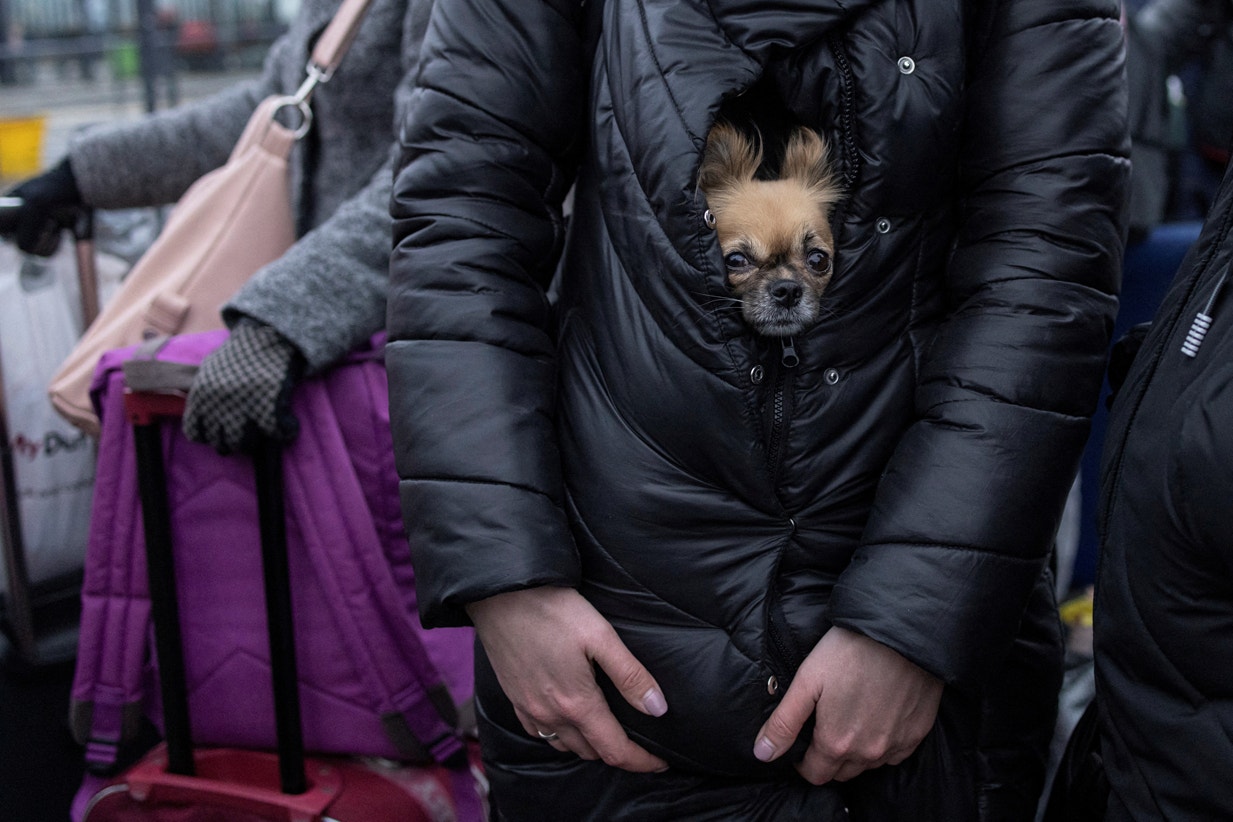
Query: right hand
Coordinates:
[541,643]
[242,391]
[50,203]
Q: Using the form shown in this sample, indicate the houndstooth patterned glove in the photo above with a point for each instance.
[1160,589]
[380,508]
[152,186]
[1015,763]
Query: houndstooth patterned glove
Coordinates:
[243,390]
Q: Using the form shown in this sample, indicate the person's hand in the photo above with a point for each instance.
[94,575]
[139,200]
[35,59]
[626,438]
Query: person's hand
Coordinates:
[542,643]
[242,390]
[50,203]
[873,708]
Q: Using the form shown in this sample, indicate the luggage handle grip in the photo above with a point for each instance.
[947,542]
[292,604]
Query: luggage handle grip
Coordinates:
[147,407]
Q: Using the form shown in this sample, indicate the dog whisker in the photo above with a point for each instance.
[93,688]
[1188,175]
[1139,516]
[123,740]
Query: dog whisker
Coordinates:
[828,311]
[717,300]
[721,302]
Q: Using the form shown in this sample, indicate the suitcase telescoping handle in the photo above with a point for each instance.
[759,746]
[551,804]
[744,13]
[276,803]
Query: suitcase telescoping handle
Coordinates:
[147,411]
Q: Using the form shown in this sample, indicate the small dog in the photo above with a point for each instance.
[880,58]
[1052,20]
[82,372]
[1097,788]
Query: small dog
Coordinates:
[775,234]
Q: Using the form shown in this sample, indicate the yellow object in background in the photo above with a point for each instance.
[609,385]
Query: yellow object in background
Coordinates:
[1078,611]
[21,146]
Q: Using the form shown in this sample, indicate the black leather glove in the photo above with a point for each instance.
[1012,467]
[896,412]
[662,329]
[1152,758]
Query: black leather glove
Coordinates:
[51,203]
[243,390]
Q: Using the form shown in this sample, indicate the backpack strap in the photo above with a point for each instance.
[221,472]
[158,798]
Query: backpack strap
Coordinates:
[338,529]
[108,691]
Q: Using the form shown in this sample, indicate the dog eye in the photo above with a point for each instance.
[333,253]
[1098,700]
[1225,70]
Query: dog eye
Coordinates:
[736,260]
[818,260]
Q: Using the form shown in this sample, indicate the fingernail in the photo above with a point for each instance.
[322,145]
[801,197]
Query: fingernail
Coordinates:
[654,703]
[764,750]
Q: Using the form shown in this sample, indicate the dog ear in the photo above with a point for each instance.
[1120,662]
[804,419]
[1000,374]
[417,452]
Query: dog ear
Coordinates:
[805,160]
[730,157]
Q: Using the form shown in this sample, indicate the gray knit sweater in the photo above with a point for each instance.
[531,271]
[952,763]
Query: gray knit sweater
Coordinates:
[327,293]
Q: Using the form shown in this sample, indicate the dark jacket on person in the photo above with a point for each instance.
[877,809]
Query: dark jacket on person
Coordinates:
[1164,587]
[721,506]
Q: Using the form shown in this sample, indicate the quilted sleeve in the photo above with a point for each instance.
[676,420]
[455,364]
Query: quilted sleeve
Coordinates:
[967,508]
[488,150]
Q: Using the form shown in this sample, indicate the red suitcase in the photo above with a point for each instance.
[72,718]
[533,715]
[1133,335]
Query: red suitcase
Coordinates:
[179,783]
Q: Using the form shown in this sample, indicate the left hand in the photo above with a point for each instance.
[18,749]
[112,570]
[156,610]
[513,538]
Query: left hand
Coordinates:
[873,708]
[50,203]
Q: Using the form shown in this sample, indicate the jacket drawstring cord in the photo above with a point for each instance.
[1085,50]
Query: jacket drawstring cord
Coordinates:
[1203,320]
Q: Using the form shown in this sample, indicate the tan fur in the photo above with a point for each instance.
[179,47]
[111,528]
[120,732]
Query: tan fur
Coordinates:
[774,224]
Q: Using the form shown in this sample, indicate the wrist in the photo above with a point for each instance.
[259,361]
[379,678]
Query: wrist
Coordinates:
[497,603]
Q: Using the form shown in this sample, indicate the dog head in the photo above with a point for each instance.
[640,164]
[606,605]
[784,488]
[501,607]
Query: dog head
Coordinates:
[775,234]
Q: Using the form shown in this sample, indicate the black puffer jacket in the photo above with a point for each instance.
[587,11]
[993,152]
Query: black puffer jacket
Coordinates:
[720,508]
[1164,592]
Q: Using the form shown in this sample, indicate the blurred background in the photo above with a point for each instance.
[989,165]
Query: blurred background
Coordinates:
[65,64]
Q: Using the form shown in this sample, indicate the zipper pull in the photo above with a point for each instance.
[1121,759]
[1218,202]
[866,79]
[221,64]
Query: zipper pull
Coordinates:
[789,358]
[1202,321]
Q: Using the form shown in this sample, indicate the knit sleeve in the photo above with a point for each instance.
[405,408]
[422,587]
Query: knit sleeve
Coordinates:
[152,161]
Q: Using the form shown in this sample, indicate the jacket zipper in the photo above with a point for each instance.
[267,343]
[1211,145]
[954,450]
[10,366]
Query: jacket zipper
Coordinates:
[847,128]
[785,656]
[788,360]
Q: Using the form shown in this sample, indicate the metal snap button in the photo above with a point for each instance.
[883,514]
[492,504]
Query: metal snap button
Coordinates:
[709,219]
[756,374]
[907,65]
[831,376]
[883,225]
[772,686]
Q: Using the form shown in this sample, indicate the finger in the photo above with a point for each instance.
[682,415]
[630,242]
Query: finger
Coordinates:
[783,726]
[898,756]
[572,740]
[601,730]
[528,723]
[850,770]
[629,676]
[568,739]
[818,768]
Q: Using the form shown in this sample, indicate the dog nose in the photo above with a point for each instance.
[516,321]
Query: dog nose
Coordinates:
[786,292]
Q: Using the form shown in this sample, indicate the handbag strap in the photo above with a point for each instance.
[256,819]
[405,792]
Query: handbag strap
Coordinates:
[333,43]
[327,54]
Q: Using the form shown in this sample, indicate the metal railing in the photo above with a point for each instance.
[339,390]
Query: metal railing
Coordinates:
[60,18]
[146,40]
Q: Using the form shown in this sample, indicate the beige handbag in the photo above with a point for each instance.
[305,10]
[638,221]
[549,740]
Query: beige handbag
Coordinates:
[229,224]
